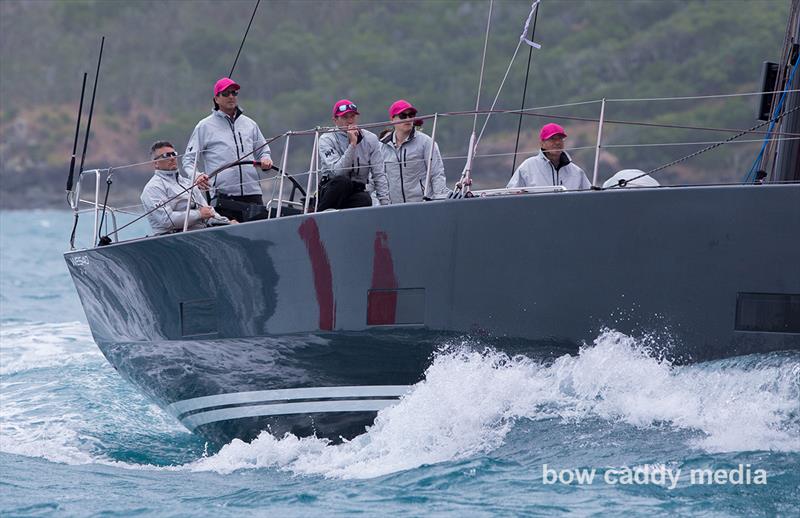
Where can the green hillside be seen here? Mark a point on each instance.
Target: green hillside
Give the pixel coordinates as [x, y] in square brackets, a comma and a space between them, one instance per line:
[161, 59]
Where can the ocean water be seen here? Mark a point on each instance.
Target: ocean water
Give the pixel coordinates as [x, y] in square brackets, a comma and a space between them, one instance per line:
[483, 434]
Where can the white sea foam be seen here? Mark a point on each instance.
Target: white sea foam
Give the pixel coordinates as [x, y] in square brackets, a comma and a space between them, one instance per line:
[469, 401]
[42, 345]
[59, 397]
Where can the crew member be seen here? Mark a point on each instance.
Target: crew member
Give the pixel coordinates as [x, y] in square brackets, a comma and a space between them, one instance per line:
[166, 194]
[224, 137]
[552, 166]
[351, 157]
[407, 152]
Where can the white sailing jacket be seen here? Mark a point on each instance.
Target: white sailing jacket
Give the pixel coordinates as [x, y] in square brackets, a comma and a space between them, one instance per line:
[361, 163]
[407, 168]
[538, 171]
[169, 216]
[223, 141]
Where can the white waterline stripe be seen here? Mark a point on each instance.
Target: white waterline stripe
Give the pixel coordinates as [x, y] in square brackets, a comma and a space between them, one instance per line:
[262, 396]
[368, 405]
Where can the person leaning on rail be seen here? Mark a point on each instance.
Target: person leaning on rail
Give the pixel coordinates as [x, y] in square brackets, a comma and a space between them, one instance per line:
[552, 166]
[407, 152]
[351, 158]
[166, 194]
[224, 137]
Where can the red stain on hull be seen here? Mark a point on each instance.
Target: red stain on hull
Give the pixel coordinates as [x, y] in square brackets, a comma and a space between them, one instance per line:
[382, 305]
[323, 278]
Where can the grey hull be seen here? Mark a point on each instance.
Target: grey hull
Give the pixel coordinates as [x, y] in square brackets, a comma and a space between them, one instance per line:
[310, 324]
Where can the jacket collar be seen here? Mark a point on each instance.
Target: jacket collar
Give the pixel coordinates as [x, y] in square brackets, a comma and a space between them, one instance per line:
[224, 115]
[564, 160]
[167, 175]
[389, 137]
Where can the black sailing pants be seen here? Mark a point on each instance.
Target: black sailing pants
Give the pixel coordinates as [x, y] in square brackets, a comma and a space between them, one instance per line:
[342, 193]
[241, 208]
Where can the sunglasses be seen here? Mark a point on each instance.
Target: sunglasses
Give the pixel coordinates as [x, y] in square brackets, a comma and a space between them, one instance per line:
[407, 115]
[226, 93]
[343, 108]
[164, 156]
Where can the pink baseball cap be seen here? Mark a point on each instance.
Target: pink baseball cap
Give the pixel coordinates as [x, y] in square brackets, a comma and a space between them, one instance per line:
[548, 130]
[224, 83]
[343, 107]
[400, 106]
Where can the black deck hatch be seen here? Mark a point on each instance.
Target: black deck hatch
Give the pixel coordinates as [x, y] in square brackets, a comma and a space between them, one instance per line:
[768, 312]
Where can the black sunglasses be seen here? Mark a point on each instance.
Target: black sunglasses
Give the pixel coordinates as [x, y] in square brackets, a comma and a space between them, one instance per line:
[406, 115]
[345, 107]
[164, 156]
[226, 93]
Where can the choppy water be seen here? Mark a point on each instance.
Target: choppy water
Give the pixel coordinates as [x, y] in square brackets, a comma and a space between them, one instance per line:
[471, 439]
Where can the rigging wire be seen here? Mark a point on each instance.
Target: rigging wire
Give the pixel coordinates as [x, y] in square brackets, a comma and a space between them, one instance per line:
[524, 91]
[522, 38]
[701, 151]
[230, 74]
[695, 97]
[483, 64]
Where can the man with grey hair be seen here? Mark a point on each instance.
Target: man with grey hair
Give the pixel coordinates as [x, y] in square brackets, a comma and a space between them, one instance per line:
[166, 194]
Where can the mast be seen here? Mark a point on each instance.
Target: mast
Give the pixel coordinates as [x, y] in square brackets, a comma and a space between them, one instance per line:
[787, 154]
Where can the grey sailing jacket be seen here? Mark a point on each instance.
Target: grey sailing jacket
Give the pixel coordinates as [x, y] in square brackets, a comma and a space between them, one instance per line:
[539, 171]
[222, 141]
[168, 216]
[407, 168]
[361, 163]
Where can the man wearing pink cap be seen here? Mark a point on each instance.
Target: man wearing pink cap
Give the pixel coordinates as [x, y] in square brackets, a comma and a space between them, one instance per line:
[407, 152]
[552, 166]
[225, 137]
[351, 159]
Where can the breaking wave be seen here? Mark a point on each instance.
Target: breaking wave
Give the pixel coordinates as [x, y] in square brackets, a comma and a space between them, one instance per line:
[61, 401]
[470, 400]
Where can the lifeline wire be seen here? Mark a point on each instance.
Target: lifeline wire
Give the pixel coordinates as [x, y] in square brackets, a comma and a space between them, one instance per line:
[709, 148]
[210, 176]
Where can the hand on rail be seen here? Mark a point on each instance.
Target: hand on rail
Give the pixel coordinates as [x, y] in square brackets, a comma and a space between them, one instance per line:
[202, 182]
[266, 163]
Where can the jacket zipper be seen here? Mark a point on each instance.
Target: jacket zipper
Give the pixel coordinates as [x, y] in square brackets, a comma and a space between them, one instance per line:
[238, 156]
[402, 182]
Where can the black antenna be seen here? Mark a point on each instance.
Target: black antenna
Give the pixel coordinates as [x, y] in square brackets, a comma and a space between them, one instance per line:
[91, 106]
[525, 89]
[230, 74]
[75, 142]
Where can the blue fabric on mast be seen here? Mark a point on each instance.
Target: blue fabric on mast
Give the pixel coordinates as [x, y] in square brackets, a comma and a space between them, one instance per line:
[757, 164]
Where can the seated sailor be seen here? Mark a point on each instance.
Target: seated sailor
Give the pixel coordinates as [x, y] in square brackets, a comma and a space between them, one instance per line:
[552, 166]
[350, 158]
[165, 196]
[407, 153]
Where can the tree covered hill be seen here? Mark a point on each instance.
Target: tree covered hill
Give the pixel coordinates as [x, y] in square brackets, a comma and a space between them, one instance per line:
[162, 57]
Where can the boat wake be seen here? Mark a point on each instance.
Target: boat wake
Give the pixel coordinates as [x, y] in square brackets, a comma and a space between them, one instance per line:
[470, 400]
[62, 402]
